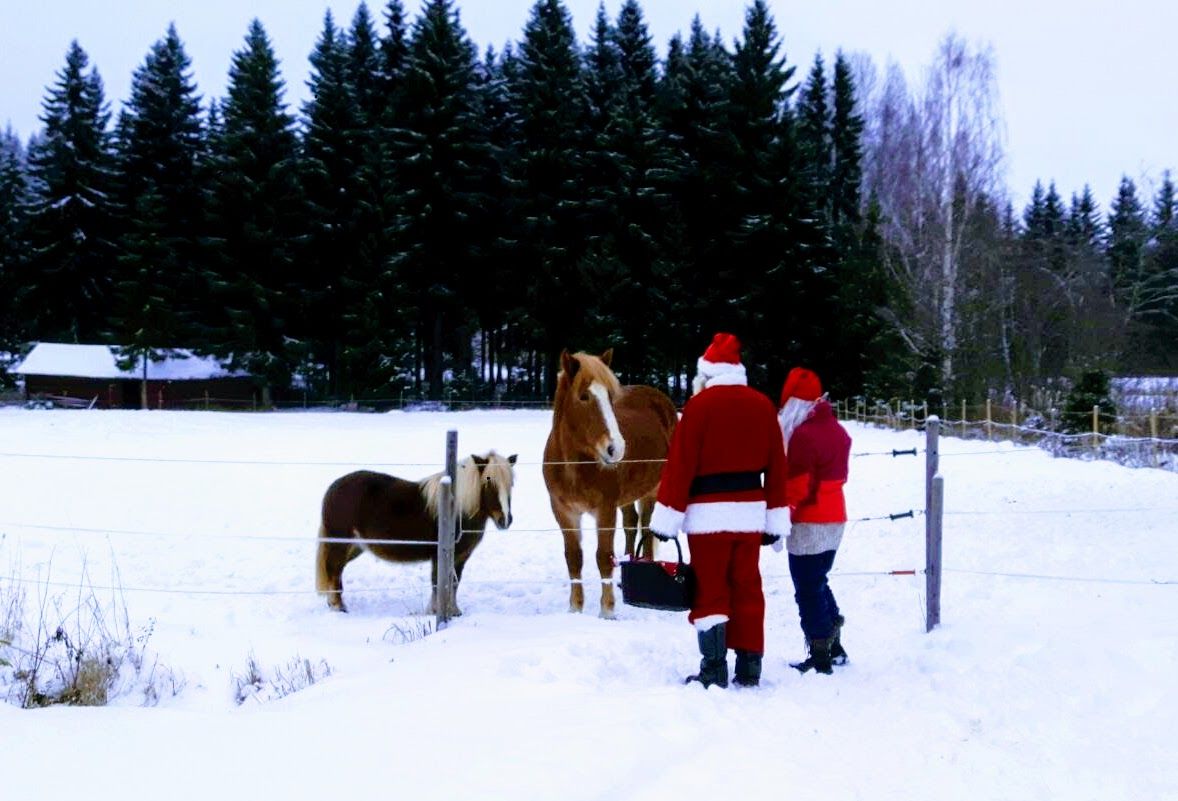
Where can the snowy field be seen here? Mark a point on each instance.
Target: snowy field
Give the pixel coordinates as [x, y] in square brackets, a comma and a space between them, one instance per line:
[1035, 687]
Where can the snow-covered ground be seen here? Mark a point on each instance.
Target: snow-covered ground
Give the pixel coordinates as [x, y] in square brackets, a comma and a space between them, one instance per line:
[1033, 687]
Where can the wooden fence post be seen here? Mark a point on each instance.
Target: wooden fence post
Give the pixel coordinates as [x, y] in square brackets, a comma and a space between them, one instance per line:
[926, 412]
[989, 422]
[1153, 434]
[963, 430]
[932, 521]
[447, 521]
[1095, 427]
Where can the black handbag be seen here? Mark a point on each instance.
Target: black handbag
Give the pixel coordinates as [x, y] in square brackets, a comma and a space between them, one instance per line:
[669, 586]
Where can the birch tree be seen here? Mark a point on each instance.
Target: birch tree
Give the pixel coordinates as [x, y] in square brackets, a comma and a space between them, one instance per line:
[934, 159]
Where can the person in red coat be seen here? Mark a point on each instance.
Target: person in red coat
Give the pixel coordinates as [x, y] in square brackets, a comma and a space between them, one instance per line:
[818, 451]
[712, 489]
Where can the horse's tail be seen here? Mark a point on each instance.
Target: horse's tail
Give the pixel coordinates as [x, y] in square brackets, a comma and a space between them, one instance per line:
[322, 580]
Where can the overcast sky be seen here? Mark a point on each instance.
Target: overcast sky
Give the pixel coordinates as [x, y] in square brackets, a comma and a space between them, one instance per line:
[1088, 88]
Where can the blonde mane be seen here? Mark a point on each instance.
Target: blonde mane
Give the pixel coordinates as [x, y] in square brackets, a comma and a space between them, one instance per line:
[594, 369]
[467, 490]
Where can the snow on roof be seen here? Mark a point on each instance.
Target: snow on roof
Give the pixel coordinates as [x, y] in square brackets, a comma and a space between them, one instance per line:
[100, 361]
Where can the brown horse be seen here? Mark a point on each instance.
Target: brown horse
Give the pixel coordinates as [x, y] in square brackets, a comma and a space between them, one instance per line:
[365, 506]
[605, 451]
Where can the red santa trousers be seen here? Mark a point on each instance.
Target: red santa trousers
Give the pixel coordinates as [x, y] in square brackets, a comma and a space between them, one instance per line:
[728, 582]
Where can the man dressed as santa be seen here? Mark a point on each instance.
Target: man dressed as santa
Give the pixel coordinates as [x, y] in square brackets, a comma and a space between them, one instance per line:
[724, 485]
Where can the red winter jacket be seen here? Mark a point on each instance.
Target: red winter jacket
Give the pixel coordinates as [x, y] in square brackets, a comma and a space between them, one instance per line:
[728, 436]
[818, 456]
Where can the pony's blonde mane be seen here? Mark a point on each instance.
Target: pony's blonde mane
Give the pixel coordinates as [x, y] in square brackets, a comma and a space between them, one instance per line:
[467, 490]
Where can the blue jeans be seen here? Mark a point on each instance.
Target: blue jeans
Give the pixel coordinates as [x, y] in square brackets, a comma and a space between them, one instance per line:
[816, 605]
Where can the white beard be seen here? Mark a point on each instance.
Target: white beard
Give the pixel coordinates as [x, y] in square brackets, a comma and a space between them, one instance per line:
[793, 414]
[698, 383]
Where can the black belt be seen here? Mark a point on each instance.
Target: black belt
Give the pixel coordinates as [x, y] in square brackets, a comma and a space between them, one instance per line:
[714, 483]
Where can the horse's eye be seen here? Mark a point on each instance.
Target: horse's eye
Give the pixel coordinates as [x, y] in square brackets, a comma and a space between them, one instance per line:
[584, 397]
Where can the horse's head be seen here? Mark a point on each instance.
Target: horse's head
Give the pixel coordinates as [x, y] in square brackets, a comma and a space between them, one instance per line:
[586, 390]
[495, 479]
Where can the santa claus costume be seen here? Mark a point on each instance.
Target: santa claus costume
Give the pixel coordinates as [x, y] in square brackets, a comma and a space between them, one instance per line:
[724, 486]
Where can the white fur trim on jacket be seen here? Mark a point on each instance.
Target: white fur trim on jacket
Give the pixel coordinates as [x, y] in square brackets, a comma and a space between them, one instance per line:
[710, 518]
[666, 521]
[709, 622]
[777, 521]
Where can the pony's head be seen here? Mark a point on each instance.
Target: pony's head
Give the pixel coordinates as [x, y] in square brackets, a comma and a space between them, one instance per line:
[586, 390]
[485, 484]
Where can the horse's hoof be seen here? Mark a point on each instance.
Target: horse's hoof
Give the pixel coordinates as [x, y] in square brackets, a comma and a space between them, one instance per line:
[575, 610]
[608, 614]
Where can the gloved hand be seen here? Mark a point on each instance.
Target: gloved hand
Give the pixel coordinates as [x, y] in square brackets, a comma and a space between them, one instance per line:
[661, 537]
[772, 539]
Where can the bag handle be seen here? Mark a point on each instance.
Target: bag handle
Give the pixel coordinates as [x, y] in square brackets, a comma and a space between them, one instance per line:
[678, 548]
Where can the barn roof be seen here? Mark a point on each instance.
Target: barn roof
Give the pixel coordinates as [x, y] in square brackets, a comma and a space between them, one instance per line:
[100, 361]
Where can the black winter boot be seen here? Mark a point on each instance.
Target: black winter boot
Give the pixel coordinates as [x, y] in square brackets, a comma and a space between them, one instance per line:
[748, 669]
[838, 656]
[713, 668]
[819, 659]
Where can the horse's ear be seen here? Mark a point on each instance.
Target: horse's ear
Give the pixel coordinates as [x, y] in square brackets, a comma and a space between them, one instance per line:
[568, 364]
[608, 356]
[480, 461]
[511, 459]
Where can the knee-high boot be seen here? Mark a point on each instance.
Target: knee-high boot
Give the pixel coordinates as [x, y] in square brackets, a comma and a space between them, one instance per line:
[713, 668]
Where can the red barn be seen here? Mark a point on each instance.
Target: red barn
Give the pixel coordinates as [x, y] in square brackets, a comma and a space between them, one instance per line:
[90, 376]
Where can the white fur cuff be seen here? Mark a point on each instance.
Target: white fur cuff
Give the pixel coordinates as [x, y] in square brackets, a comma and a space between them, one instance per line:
[709, 622]
[777, 521]
[666, 521]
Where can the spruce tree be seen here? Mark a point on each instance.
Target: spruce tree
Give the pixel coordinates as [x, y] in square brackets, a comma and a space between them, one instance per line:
[161, 286]
[814, 131]
[1159, 307]
[256, 201]
[847, 143]
[332, 157]
[628, 262]
[1127, 235]
[781, 253]
[442, 151]
[695, 108]
[66, 284]
[14, 199]
[546, 93]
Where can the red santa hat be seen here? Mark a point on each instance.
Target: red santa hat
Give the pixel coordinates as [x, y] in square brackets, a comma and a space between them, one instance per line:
[720, 363]
[802, 384]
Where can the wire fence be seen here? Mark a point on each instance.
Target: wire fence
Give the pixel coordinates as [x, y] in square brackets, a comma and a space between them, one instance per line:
[990, 423]
[988, 430]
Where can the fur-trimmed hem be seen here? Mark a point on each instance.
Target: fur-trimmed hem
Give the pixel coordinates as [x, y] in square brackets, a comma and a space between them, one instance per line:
[712, 518]
[666, 521]
[708, 622]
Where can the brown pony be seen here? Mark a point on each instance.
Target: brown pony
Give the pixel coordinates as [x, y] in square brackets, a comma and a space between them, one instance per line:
[365, 506]
[605, 451]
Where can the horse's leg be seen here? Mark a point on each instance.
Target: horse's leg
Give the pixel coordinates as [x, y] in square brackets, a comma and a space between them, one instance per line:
[646, 509]
[459, 564]
[433, 583]
[630, 525]
[607, 522]
[329, 568]
[570, 527]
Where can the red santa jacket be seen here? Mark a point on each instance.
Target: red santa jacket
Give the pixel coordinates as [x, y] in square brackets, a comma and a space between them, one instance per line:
[818, 457]
[728, 436]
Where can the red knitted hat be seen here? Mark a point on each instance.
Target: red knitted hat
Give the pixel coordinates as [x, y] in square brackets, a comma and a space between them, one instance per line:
[725, 349]
[803, 384]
